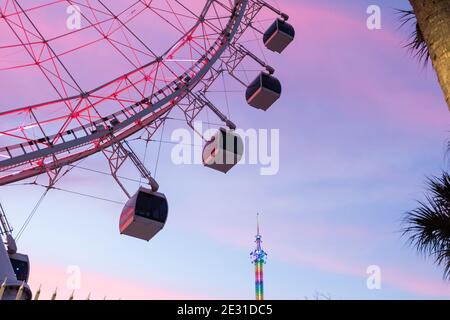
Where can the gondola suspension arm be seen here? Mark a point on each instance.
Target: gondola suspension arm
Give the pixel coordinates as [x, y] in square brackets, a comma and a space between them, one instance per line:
[117, 155]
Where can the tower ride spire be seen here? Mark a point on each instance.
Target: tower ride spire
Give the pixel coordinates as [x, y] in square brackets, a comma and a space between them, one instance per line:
[259, 257]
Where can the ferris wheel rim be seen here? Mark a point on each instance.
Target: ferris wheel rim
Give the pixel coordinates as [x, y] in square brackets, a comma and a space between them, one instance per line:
[44, 103]
[162, 107]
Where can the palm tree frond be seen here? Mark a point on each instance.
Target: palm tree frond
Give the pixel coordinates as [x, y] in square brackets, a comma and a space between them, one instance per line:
[428, 226]
[417, 44]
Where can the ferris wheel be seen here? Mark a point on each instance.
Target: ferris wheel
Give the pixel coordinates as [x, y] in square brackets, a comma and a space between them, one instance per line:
[152, 57]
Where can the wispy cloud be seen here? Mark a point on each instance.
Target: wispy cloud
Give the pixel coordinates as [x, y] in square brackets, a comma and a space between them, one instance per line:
[324, 259]
[98, 285]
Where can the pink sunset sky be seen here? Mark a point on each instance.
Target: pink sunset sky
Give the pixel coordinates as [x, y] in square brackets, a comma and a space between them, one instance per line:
[362, 124]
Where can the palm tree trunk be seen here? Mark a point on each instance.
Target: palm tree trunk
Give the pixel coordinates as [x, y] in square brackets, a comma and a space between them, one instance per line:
[433, 18]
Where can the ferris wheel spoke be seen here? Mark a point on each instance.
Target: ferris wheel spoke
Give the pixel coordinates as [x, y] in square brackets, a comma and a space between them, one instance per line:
[46, 43]
[108, 35]
[127, 28]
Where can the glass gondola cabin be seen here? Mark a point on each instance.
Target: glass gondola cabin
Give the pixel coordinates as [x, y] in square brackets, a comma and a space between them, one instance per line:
[223, 151]
[263, 91]
[14, 271]
[279, 35]
[144, 215]
[21, 266]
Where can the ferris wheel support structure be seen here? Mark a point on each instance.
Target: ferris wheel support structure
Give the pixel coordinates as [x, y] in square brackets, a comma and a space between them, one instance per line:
[52, 152]
[67, 136]
[10, 287]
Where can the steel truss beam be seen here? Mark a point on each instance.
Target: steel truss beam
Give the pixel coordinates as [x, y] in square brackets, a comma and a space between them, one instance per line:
[48, 156]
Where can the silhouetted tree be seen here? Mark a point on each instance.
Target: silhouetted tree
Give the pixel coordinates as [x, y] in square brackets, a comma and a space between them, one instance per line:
[428, 226]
